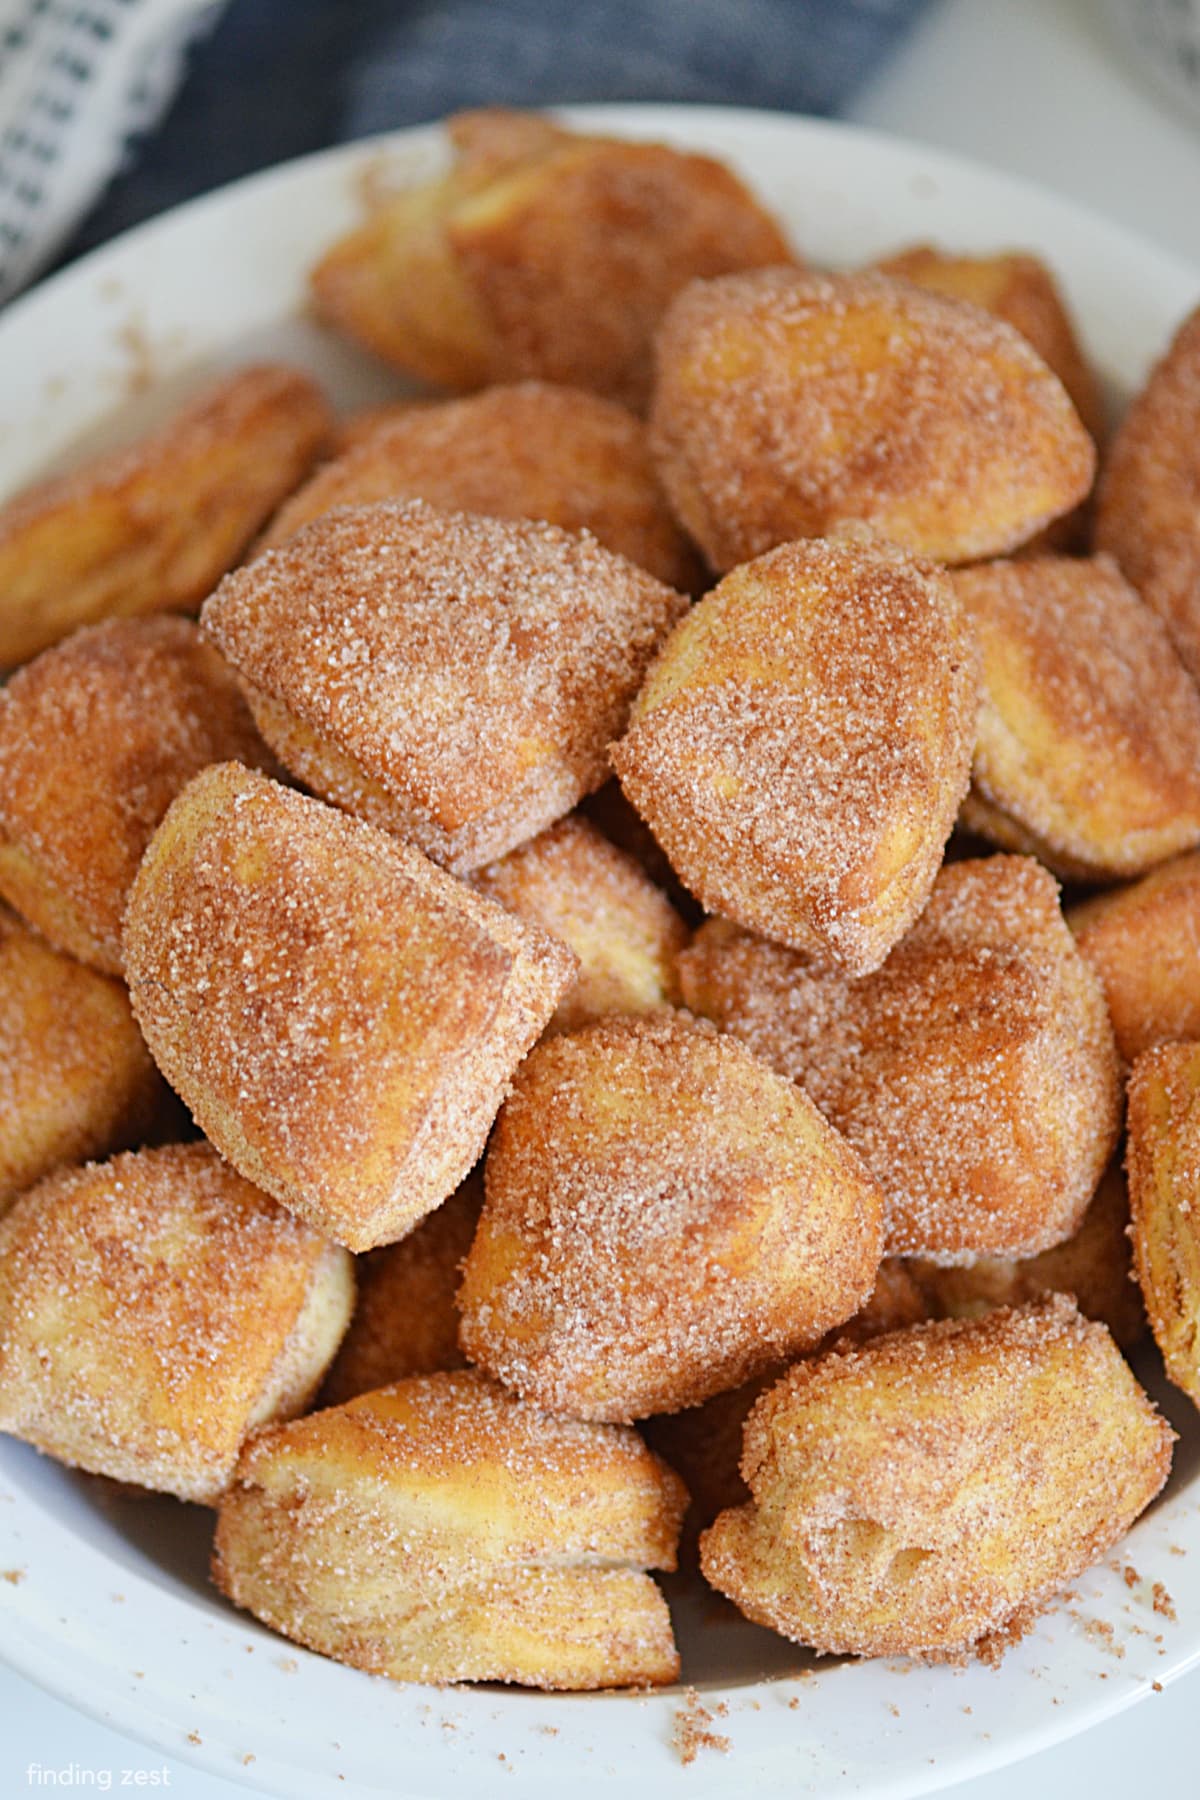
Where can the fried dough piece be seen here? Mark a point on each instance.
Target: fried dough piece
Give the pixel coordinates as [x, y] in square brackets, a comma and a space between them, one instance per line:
[154, 1309]
[441, 1530]
[664, 1218]
[1088, 749]
[1095, 1266]
[451, 678]
[341, 1016]
[394, 283]
[803, 741]
[405, 1320]
[1020, 289]
[939, 1485]
[789, 402]
[704, 1443]
[1143, 941]
[154, 527]
[1148, 500]
[526, 451]
[1164, 1186]
[596, 900]
[975, 1072]
[543, 253]
[76, 1079]
[97, 736]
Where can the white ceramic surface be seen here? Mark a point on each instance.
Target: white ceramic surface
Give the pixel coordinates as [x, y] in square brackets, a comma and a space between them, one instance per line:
[107, 1603]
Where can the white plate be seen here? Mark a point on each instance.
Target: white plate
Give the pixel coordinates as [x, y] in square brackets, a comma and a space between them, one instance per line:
[110, 1607]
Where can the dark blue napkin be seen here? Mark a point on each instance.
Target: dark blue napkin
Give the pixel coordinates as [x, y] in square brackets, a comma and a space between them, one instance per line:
[277, 78]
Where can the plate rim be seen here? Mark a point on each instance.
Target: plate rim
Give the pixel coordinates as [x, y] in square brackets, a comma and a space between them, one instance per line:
[680, 121]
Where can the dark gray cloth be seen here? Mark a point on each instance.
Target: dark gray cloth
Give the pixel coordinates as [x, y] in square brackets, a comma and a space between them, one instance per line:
[280, 77]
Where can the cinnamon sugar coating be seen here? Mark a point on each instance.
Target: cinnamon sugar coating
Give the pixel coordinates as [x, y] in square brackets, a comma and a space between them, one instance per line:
[1021, 290]
[529, 450]
[1163, 1164]
[153, 527]
[788, 402]
[440, 1530]
[1143, 942]
[341, 1016]
[595, 899]
[1148, 499]
[76, 1079]
[664, 1218]
[1088, 748]
[1094, 1266]
[802, 744]
[939, 1485]
[541, 252]
[97, 736]
[405, 1320]
[975, 1072]
[452, 678]
[154, 1309]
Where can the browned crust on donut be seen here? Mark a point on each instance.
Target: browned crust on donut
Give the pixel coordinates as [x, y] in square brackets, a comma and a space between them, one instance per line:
[97, 736]
[803, 741]
[788, 402]
[1089, 732]
[664, 1219]
[531, 450]
[148, 1308]
[152, 528]
[939, 1484]
[466, 673]
[975, 1072]
[341, 1016]
[1148, 499]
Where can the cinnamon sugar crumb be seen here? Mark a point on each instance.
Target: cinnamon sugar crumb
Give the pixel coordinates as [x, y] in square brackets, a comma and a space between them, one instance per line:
[1163, 1603]
[1102, 1633]
[193, 1737]
[692, 1733]
[14, 1577]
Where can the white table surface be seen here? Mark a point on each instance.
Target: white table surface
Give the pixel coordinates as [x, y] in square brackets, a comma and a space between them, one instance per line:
[1041, 89]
